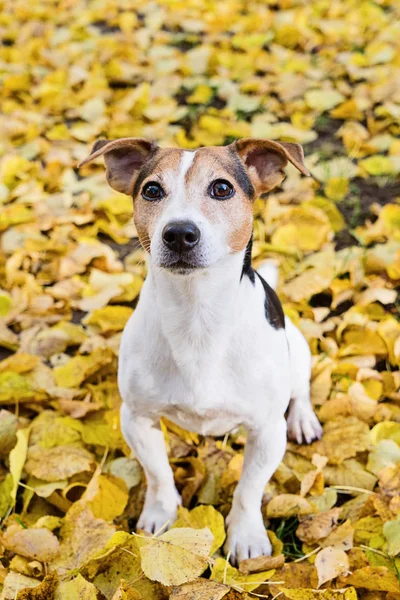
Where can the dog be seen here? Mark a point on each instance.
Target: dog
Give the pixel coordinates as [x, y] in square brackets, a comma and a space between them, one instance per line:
[208, 345]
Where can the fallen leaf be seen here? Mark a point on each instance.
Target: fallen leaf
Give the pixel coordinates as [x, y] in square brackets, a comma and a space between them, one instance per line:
[178, 556]
[287, 505]
[391, 531]
[373, 578]
[201, 517]
[39, 544]
[76, 589]
[313, 528]
[201, 589]
[261, 563]
[330, 563]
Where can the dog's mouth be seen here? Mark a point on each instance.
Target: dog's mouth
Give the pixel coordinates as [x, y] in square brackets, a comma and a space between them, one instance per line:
[181, 266]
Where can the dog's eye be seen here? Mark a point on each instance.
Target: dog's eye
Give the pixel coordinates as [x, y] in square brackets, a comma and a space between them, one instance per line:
[221, 189]
[152, 191]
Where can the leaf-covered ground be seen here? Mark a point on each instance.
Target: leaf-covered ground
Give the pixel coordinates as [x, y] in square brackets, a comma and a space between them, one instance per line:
[192, 72]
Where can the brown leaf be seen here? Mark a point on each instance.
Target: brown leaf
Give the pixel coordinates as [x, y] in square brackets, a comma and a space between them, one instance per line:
[261, 563]
[313, 528]
[330, 563]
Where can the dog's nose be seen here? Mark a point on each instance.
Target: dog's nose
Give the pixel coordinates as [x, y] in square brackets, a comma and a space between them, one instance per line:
[181, 236]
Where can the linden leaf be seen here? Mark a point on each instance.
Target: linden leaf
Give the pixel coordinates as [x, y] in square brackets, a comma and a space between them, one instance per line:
[109, 318]
[76, 589]
[391, 531]
[288, 505]
[202, 589]
[39, 544]
[178, 556]
[61, 462]
[8, 432]
[330, 563]
[310, 594]
[319, 526]
[200, 517]
[106, 495]
[323, 100]
[374, 578]
[223, 572]
[388, 430]
[78, 368]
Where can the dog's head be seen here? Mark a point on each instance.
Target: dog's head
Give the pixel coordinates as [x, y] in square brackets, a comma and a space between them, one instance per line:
[193, 208]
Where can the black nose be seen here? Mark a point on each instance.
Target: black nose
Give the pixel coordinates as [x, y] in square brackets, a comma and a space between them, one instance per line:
[181, 236]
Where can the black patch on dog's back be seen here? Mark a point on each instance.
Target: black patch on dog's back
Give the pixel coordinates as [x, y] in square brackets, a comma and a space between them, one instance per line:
[247, 269]
[273, 308]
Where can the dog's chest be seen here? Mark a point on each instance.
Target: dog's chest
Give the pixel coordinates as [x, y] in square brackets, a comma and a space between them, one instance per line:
[208, 370]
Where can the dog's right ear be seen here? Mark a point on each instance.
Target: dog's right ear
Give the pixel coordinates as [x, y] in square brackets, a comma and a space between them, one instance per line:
[123, 159]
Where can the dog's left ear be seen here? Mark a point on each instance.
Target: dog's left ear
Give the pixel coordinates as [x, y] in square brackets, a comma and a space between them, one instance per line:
[123, 158]
[266, 159]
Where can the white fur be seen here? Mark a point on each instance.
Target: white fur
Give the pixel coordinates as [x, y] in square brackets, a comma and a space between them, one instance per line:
[199, 350]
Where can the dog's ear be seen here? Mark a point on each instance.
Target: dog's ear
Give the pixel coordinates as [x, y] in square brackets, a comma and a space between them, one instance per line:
[123, 159]
[266, 159]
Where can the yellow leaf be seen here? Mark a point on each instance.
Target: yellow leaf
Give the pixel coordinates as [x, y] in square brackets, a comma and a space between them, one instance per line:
[323, 100]
[391, 531]
[201, 95]
[223, 572]
[202, 589]
[307, 594]
[178, 556]
[305, 228]
[15, 387]
[388, 430]
[78, 368]
[385, 454]
[76, 589]
[330, 563]
[15, 582]
[201, 517]
[288, 505]
[60, 462]
[38, 544]
[17, 459]
[377, 165]
[106, 495]
[8, 432]
[349, 473]
[374, 578]
[109, 318]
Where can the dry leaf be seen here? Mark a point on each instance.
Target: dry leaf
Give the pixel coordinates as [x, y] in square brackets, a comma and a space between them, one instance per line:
[178, 556]
[330, 563]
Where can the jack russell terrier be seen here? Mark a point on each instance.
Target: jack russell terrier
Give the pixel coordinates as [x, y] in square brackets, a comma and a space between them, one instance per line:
[208, 345]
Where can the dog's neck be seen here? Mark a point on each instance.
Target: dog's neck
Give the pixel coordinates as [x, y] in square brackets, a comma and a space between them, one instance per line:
[196, 311]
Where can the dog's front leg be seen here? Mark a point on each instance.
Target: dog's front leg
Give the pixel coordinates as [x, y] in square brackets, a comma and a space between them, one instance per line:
[247, 537]
[146, 439]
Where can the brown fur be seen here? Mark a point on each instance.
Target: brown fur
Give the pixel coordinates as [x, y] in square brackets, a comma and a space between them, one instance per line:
[250, 165]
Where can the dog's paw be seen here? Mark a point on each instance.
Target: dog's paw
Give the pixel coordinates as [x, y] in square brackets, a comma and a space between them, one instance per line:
[157, 517]
[303, 425]
[245, 541]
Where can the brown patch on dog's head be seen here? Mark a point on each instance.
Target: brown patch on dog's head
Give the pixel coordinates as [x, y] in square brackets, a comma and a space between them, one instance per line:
[236, 213]
[163, 163]
[251, 167]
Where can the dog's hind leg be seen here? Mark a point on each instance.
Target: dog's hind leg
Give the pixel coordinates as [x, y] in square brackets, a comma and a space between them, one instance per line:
[146, 439]
[303, 425]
